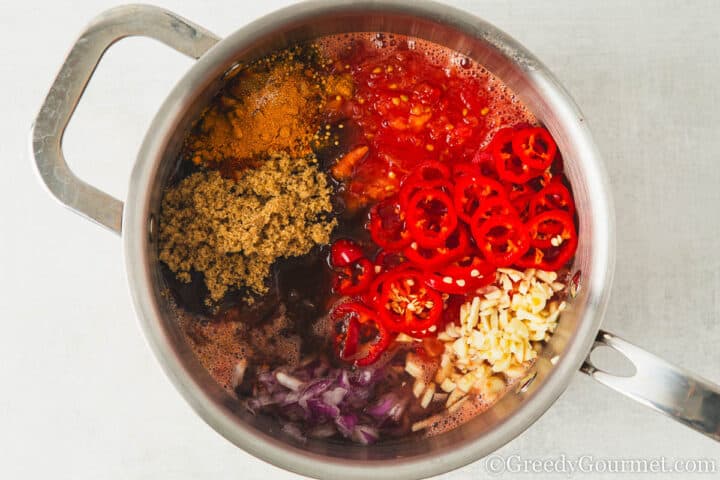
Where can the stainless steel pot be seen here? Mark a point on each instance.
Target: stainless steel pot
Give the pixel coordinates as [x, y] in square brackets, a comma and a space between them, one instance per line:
[683, 396]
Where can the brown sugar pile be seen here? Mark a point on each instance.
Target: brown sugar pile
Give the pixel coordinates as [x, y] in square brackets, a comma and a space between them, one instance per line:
[233, 230]
[271, 106]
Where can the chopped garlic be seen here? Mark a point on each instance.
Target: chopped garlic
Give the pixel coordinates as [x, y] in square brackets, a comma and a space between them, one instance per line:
[494, 339]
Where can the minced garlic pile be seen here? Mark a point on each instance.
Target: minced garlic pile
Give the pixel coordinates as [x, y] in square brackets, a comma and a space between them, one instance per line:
[495, 335]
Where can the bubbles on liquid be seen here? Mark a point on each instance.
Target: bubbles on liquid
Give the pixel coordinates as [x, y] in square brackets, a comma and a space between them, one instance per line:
[224, 349]
[504, 107]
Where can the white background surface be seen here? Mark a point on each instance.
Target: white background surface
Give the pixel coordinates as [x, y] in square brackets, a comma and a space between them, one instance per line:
[81, 396]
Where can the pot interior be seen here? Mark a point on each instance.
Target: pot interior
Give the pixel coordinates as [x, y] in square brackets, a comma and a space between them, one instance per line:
[536, 89]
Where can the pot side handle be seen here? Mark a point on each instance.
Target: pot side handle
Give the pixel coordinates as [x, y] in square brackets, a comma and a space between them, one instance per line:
[662, 386]
[67, 89]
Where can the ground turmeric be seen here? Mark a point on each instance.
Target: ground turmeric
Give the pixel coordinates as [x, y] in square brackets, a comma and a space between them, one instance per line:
[270, 106]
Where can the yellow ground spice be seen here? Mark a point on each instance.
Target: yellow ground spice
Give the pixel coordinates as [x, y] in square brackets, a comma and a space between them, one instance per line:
[233, 230]
[272, 106]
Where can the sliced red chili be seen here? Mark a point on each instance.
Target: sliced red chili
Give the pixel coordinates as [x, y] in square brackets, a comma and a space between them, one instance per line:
[471, 191]
[502, 239]
[535, 147]
[463, 276]
[551, 228]
[360, 336]
[452, 308]
[355, 278]
[411, 187]
[347, 334]
[407, 304]
[466, 169]
[431, 217]
[549, 258]
[555, 196]
[509, 166]
[428, 170]
[483, 160]
[388, 260]
[491, 207]
[520, 196]
[343, 252]
[387, 225]
[456, 245]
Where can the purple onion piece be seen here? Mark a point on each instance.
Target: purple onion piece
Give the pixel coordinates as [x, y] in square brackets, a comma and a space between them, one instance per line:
[365, 434]
[363, 377]
[321, 401]
[382, 408]
[294, 431]
[324, 430]
[313, 389]
[320, 409]
[346, 423]
[334, 396]
[288, 381]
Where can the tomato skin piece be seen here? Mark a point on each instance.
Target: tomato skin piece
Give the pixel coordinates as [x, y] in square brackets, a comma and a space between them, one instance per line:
[363, 353]
[504, 249]
[554, 196]
[405, 287]
[344, 252]
[471, 191]
[425, 230]
[535, 147]
[387, 225]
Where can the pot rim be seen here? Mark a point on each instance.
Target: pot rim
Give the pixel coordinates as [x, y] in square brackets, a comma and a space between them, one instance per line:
[135, 234]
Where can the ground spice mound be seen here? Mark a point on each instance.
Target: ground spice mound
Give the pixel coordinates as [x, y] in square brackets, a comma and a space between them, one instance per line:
[272, 105]
[233, 230]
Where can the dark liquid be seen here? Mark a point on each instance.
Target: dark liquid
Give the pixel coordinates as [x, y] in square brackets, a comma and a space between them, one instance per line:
[289, 322]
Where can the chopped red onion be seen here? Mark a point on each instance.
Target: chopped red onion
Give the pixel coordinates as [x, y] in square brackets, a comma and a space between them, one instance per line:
[321, 401]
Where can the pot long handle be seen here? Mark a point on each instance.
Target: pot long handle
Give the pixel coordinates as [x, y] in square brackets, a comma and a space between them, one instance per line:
[687, 398]
[69, 85]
